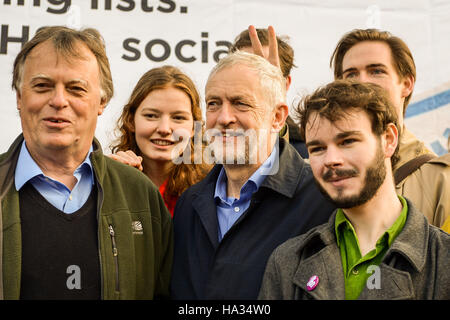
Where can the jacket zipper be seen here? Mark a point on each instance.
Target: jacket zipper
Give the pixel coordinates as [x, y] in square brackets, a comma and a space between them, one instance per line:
[115, 254]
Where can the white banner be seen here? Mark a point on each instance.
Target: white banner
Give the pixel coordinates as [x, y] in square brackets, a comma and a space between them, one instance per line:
[193, 34]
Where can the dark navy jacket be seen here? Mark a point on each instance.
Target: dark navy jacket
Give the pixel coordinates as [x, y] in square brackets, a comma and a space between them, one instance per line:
[287, 204]
[295, 138]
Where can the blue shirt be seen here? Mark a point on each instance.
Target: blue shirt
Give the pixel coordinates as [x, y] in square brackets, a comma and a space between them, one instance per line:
[230, 209]
[54, 191]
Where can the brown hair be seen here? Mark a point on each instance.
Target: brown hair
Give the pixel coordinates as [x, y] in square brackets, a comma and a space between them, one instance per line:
[339, 98]
[285, 51]
[401, 55]
[64, 41]
[183, 175]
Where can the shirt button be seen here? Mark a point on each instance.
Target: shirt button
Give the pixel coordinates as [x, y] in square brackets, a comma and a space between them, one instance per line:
[236, 209]
[70, 197]
[355, 271]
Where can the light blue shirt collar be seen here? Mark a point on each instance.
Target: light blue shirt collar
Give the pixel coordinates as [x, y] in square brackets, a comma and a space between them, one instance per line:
[252, 184]
[27, 168]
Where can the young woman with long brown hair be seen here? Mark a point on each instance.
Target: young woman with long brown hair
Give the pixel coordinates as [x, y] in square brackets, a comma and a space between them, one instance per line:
[157, 125]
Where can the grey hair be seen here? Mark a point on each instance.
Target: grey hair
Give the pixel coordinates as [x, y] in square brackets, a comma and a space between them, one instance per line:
[272, 81]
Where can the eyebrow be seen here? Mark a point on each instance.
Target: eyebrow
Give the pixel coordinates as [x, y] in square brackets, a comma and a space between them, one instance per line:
[313, 143]
[229, 98]
[40, 76]
[372, 65]
[339, 136]
[47, 78]
[346, 134]
[239, 97]
[212, 97]
[159, 111]
[75, 81]
[151, 109]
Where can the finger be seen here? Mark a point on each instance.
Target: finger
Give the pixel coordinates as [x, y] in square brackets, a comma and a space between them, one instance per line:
[125, 158]
[131, 154]
[140, 167]
[120, 158]
[273, 47]
[256, 44]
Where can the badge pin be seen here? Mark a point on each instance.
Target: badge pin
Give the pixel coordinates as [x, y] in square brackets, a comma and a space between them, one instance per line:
[312, 283]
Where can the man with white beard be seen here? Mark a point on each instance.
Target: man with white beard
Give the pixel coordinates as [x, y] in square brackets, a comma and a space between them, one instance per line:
[260, 193]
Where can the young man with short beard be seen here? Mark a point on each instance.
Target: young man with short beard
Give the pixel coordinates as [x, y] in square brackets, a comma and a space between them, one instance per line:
[377, 245]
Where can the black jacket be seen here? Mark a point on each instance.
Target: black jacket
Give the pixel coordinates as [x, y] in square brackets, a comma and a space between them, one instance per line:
[295, 138]
[287, 204]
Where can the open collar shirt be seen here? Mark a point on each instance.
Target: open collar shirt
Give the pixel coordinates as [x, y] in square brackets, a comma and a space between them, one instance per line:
[229, 209]
[54, 191]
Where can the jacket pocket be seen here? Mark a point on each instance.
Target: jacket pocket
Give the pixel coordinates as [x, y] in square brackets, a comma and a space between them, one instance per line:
[115, 255]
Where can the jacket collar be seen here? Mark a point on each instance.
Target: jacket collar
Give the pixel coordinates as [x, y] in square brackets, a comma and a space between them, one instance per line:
[8, 165]
[320, 256]
[205, 205]
[412, 242]
[319, 251]
[285, 181]
[98, 160]
[8, 162]
[290, 171]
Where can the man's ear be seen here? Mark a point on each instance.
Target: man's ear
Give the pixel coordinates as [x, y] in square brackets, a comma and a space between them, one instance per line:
[391, 140]
[102, 106]
[288, 82]
[18, 100]
[280, 114]
[408, 85]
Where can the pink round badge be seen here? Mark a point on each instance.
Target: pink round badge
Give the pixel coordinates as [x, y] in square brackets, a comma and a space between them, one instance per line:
[312, 283]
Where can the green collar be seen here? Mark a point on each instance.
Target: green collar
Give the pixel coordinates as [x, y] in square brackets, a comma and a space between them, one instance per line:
[342, 221]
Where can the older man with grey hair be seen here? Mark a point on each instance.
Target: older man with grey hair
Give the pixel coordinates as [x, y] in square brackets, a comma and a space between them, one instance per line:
[74, 224]
[259, 194]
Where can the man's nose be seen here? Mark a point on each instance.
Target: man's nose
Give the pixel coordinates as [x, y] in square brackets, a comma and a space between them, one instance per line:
[363, 77]
[226, 115]
[59, 97]
[333, 157]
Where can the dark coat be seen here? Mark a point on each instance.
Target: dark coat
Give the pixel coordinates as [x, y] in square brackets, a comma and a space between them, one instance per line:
[287, 204]
[414, 267]
[295, 138]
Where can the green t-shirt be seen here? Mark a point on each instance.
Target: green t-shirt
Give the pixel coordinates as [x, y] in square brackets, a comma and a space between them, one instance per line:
[355, 266]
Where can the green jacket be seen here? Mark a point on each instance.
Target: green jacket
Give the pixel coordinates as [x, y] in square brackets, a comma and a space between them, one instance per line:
[135, 232]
